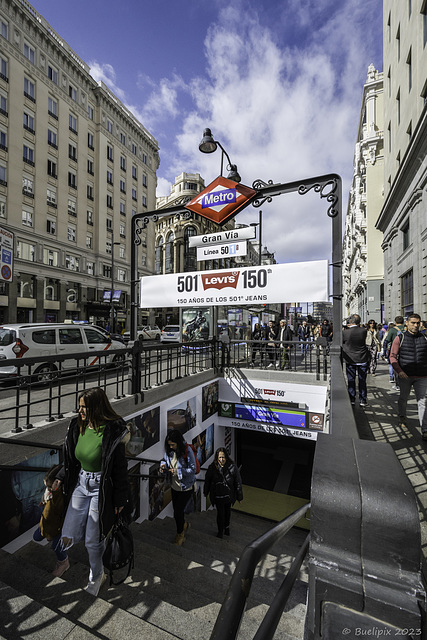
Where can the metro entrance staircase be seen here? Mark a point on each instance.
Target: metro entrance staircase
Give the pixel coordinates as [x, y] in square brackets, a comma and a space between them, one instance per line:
[173, 592]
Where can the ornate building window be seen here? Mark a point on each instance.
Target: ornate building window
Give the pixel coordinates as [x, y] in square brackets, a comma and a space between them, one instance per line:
[169, 257]
[190, 254]
[159, 256]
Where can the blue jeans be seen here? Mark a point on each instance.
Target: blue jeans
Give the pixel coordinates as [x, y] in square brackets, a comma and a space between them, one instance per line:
[56, 544]
[82, 520]
[420, 388]
[362, 371]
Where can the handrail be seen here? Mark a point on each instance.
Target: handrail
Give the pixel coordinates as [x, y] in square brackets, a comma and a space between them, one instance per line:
[230, 616]
[269, 624]
[28, 443]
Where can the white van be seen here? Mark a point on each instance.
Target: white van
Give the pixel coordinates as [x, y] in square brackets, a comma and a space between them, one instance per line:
[31, 340]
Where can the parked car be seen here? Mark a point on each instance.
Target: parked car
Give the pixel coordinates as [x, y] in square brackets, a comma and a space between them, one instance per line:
[32, 340]
[171, 333]
[146, 332]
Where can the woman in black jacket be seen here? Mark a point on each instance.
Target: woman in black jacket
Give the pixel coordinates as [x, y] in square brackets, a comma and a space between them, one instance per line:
[224, 486]
[95, 478]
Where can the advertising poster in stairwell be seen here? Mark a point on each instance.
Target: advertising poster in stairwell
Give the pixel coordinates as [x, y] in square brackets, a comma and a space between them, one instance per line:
[261, 285]
[159, 491]
[144, 429]
[203, 444]
[183, 416]
[209, 400]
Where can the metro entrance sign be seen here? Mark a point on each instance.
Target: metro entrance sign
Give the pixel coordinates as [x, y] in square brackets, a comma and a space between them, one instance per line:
[328, 187]
[221, 200]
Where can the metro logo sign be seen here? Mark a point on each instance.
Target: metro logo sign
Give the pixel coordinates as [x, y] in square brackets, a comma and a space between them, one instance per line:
[215, 198]
[221, 200]
[220, 280]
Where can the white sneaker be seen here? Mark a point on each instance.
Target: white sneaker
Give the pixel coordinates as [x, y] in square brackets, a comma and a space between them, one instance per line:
[94, 586]
[270, 365]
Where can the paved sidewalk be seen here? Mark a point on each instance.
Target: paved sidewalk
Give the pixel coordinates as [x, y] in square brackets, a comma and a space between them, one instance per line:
[380, 421]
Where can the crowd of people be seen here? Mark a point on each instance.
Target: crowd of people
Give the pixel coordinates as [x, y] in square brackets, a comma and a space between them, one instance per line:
[270, 343]
[403, 345]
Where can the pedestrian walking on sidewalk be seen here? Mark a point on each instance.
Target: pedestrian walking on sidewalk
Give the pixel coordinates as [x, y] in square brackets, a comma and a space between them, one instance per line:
[50, 526]
[95, 478]
[408, 357]
[356, 357]
[373, 344]
[179, 464]
[224, 486]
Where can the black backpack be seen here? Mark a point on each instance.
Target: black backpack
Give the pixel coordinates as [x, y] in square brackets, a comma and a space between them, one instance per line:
[119, 550]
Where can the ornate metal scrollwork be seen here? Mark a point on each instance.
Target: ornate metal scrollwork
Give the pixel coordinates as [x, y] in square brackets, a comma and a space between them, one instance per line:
[260, 184]
[183, 215]
[329, 195]
[141, 224]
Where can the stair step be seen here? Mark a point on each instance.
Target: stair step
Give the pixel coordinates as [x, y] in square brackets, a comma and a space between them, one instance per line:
[215, 555]
[23, 617]
[173, 592]
[55, 600]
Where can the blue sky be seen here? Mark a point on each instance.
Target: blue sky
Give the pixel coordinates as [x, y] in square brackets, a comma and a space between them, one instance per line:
[279, 84]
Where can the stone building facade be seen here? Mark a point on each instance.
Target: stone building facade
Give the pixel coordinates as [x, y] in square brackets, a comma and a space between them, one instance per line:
[363, 275]
[75, 165]
[403, 219]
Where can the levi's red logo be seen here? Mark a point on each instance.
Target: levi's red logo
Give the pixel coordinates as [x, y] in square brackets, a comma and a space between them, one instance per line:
[220, 280]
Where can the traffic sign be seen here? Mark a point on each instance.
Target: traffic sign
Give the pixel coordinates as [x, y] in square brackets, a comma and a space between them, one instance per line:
[6, 255]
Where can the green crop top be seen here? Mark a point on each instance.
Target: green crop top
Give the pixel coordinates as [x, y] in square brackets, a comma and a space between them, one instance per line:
[89, 449]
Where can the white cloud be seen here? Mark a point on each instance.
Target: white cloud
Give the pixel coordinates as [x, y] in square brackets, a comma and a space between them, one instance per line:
[163, 187]
[282, 97]
[105, 73]
[163, 102]
[282, 113]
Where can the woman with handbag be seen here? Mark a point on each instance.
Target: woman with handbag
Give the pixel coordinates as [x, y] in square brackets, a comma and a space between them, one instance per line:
[95, 478]
[224, 486]
[179, 465]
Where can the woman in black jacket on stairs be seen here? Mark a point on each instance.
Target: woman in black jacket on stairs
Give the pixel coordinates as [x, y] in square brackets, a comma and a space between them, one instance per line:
[224, 486]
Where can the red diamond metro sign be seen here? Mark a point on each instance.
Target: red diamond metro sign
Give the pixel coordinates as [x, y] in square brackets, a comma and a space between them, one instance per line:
[221, 200]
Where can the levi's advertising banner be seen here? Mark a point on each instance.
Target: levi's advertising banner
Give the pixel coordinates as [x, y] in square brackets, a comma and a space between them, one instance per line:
[280, 408]
[306, 281]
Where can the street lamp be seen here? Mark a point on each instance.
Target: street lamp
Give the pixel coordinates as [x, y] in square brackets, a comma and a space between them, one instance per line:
[112, 282]
[258, 224]
[209, 145]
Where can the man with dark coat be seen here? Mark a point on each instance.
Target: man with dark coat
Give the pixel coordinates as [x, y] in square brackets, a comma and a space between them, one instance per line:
[356, 357]
[284, 335]
[408, 357]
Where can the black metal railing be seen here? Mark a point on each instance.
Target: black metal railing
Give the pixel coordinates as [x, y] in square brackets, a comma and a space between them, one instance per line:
[46, 387]
[231, 613]
[305, 357]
